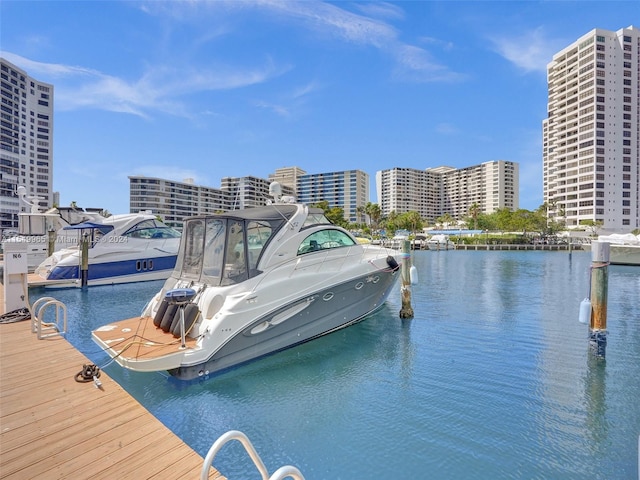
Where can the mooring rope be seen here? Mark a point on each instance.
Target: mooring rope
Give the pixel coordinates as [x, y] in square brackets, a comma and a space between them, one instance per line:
[18, 315]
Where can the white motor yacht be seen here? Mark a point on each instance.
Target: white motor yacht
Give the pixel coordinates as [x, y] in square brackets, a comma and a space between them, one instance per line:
[624, 249]
[122, 248]
[248, 283]
[440, 242]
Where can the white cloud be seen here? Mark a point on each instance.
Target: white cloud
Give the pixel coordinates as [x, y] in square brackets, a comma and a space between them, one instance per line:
[158, 90]
[368, 29]
[530, 51]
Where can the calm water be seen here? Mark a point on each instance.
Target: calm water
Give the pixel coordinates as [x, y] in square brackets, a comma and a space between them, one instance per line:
[492, 379]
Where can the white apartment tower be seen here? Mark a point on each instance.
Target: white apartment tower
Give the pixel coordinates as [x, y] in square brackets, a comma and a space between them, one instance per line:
[26, 141]
[435, 191]
[347, 189]
[591, 137]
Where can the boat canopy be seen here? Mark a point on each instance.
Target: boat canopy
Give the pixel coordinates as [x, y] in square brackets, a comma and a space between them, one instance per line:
[225, 249]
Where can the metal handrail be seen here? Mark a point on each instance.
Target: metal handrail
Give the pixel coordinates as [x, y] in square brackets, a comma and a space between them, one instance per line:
[280, 474]
[37, 310]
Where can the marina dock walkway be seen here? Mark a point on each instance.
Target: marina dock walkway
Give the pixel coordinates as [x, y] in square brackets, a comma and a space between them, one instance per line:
[54, 427]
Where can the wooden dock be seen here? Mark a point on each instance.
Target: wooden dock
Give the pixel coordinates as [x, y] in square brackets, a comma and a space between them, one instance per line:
[54, 427]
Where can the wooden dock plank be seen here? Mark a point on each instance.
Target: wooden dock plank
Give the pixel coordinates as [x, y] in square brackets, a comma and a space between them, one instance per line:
[54, 427]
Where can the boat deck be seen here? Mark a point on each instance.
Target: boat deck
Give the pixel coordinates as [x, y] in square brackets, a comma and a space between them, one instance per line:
[55, 427]
[137, 338]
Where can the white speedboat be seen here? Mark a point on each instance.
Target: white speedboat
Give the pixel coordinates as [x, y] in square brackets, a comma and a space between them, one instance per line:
[44, 231]
[122, 248]
[624, 249]
[248, 283]
[440, 242]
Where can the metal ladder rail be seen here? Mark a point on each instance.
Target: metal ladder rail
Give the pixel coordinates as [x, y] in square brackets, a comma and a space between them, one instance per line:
[37, 312]
[280, 474]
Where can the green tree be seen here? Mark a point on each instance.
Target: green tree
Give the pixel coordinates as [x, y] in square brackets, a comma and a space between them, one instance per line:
[444, 220]
[374, 213]
[410, 221]
[474, 213]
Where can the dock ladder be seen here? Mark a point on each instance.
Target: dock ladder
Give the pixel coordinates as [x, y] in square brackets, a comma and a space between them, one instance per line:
[280, 474]
[57, 327]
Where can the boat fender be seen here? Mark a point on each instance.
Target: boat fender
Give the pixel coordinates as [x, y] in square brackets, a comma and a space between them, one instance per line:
[413, 275]
[585, 311]
[167, 318]
[191, 312]
[162, 308]
[392, 263]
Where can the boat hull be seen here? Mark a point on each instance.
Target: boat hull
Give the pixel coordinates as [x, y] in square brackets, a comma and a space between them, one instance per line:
[621, 254]
[140, 345]
[624, 255]
[124, 271]
[304, 319]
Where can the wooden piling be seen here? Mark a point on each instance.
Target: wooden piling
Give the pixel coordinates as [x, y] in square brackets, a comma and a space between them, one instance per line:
[84, 263]
[406, 311]
[599, 291]
[51, 246]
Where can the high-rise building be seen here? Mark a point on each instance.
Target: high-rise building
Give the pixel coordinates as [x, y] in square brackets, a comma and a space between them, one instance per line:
[347, 189]
[591, 136]
[287, 176]
[174, 201]
[436, 191]
[26, 141]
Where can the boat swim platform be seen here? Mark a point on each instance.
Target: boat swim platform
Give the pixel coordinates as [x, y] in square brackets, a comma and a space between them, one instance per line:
[138, 338]
[34, 280]
[54, 427]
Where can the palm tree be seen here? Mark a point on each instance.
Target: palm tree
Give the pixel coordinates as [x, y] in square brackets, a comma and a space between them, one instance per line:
[474, 212]
[374, 213]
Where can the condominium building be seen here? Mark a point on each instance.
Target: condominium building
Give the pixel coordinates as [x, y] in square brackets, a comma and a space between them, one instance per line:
[591, 137]
[436, 191]
[174, 201]
[287, 176]
[347, 189]
[26, 141]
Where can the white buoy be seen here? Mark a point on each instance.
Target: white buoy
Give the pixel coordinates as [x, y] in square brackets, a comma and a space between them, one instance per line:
[585, 311]
[413, 275]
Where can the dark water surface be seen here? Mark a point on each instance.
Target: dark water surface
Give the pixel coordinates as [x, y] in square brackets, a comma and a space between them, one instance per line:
[492, 379]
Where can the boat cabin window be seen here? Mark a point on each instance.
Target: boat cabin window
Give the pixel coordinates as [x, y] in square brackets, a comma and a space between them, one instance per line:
[325, 239]
[258, 234]
[235, 269]
[151, 229]
[193, 250]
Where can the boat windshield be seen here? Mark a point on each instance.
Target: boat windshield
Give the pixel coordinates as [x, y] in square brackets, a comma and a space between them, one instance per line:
[151, 229]
[323, 240]
[222, 251]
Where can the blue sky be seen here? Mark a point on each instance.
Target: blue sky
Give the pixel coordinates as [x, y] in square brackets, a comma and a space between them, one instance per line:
[207, 90]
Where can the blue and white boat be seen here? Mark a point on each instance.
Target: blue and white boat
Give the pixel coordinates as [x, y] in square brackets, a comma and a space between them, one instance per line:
[248, 283]
[122, 248]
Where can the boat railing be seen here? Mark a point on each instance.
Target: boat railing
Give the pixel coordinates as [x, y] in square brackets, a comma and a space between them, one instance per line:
[286, 471]
[57, 327]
